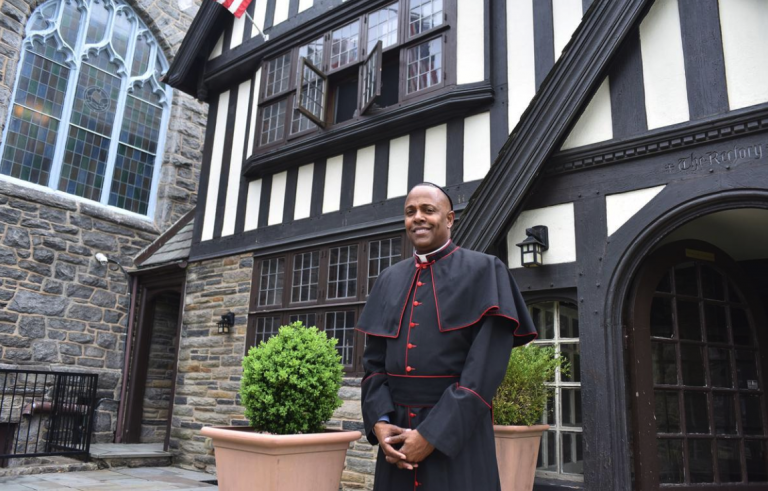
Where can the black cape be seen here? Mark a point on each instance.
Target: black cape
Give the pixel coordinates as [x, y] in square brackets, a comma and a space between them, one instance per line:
[439, 338]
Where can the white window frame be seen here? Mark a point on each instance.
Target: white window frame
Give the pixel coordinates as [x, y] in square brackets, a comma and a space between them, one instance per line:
[558, 385]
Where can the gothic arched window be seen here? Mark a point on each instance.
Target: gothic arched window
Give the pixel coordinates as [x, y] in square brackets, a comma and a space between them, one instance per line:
[88, 112]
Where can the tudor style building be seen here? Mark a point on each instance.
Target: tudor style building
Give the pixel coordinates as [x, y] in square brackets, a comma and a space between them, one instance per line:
[634, 130]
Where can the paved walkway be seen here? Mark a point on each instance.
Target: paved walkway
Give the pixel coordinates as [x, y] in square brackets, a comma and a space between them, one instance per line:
[144, 478]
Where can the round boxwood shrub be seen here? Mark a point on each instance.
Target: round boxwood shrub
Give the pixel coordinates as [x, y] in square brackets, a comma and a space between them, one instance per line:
[522, 395]
[291, 382]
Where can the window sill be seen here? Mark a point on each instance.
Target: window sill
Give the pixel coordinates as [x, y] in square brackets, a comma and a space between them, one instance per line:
[394, 121]
[10, 186]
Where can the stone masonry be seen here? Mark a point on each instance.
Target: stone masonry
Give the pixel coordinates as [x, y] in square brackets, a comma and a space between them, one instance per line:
[162, 358]
[180, 171]
[60, 308]
[210, 368]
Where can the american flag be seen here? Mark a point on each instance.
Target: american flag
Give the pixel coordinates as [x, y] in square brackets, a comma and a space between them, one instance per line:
[237, 7]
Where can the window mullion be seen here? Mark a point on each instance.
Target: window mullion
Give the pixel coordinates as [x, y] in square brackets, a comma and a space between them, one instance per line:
[69, 100]
[117, 126]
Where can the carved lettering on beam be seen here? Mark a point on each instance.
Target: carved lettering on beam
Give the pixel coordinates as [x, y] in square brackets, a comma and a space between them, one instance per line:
[714, 159]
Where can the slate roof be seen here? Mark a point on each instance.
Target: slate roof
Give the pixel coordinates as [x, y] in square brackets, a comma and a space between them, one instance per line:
[171, 247]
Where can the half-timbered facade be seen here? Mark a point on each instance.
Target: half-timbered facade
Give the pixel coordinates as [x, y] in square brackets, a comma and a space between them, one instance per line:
[634, 130]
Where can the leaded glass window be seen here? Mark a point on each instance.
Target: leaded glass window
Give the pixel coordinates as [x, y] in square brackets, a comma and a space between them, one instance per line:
[320, 287]
[266, 327]
[278, 74]
[312, 91]
[271, 281]
[425, 66]
[342, 272]
[370, 73]
[382, 26]
[312, 52]
[306, 275]
[341, 325]
[273, 123]
[425, 15]
[345, 45]
[308, 320]
[89, 113]
[562, 447]
[381, 255]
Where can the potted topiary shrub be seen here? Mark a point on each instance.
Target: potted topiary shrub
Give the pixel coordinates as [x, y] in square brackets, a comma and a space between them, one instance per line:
[289, 389]
[517, 407]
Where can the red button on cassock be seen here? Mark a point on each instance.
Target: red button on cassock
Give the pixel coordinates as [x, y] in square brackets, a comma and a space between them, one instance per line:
[419, 283]
[411, 346]
[413, 324]
[413, 415]
[416, 303]
[409, 369]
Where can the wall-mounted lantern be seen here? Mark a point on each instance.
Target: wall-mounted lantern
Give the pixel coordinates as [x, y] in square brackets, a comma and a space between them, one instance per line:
[533, 246]
[226, 323]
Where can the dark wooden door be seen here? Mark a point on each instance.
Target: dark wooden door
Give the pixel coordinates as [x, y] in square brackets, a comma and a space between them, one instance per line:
[697, 357]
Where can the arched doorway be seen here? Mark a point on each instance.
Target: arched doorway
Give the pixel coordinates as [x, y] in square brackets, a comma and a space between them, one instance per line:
[698, 363]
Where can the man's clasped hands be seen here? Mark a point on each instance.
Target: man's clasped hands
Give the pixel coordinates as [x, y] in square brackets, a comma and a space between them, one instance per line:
[414, 449]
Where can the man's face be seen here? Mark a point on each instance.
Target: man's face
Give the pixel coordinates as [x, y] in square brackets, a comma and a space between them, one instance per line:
[428, 218]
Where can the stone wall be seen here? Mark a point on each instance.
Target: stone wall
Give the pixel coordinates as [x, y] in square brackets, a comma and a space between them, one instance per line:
[210, 368]
[162, 358]
[60, 308]
[180, 171]
[209, 363]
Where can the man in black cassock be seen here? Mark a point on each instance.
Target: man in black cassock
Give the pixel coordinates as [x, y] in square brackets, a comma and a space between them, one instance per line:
[440, 329]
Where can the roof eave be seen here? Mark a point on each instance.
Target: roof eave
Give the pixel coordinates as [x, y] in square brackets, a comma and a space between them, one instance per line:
[188, 66]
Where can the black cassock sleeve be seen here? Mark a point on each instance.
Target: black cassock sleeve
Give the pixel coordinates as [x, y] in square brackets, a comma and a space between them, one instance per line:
[453, 419]
[377, 400]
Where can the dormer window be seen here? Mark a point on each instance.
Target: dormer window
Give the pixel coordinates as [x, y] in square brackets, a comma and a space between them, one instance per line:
[356, 70]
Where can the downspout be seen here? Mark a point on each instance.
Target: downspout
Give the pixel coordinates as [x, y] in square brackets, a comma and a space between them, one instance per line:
[127, 350]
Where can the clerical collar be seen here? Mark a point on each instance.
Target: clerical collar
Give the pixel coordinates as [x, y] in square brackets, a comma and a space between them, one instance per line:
[437, 253]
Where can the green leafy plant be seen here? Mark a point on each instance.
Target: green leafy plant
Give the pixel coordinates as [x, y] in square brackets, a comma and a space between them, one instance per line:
[522, 395]
[291, 382]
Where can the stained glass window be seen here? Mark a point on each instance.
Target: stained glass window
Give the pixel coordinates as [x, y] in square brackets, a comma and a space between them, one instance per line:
[87, 119]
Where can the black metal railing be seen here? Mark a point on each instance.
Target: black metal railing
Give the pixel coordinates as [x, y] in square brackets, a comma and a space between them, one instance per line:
[45, 413]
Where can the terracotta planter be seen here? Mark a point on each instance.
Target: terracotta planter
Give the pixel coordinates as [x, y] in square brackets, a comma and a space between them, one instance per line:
[251, 461]
[517, 448]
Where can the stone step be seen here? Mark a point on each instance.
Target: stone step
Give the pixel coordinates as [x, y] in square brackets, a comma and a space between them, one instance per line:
[108, 455]
[48, 465]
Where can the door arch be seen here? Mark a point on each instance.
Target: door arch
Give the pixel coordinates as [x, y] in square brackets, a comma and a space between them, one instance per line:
[697, 372]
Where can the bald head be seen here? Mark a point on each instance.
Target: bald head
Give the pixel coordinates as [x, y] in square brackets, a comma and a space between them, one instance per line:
[428, 217]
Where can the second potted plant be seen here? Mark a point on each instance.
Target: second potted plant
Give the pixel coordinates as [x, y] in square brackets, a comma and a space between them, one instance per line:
[289, 389]
[519, 404]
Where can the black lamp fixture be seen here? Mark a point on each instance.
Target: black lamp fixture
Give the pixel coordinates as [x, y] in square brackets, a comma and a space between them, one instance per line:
[536, 242]
[226, 323]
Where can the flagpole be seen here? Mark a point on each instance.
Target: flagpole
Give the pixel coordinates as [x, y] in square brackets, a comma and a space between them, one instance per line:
[266, 36]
